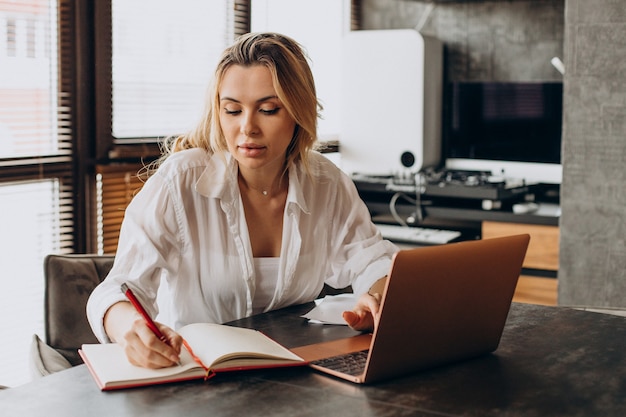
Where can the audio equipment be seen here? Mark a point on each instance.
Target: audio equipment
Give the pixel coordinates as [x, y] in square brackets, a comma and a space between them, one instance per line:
[391, 102]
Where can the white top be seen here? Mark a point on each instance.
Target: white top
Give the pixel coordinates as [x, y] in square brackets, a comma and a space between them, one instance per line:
[266, 271]
[185, 235]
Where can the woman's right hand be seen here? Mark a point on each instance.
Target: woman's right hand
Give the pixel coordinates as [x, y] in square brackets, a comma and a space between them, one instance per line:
[142, 347]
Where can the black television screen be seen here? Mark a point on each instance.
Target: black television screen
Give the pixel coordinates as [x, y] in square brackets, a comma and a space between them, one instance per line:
[507, 121]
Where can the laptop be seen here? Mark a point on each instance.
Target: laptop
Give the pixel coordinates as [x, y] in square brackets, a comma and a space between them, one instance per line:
[442, 304]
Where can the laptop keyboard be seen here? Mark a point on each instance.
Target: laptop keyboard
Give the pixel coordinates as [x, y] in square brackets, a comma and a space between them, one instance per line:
[349, 363]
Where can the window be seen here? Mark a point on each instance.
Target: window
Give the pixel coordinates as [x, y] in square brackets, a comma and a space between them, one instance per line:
[28, 86]
[154, 74]
[37, 181]
[153, 86]
[160, 70]
[39, 206]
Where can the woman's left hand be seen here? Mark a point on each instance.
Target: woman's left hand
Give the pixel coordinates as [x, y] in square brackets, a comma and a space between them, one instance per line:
[365, 314]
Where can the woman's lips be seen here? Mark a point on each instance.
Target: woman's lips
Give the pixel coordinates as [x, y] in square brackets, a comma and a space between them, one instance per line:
[251, 150]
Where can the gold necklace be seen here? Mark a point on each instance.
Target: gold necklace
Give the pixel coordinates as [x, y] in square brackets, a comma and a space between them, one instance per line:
[263, 191]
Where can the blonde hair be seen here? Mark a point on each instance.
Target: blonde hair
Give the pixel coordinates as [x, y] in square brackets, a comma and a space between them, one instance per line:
[294, 84]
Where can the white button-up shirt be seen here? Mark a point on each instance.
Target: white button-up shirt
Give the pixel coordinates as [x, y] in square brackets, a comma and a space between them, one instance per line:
[185, 236]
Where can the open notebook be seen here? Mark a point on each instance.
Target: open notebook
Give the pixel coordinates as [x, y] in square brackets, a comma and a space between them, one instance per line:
[441, 304]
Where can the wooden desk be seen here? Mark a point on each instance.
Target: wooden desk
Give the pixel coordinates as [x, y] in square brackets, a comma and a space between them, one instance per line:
[552, 361]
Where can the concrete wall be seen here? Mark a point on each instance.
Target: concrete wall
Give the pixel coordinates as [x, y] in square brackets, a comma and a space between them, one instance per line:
[490, 40]
[593, 194]
[515, 40]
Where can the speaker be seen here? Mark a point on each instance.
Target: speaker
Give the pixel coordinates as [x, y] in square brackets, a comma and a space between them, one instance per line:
[391, 102]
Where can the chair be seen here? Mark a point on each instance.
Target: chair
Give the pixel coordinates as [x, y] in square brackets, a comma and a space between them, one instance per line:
[69, 280]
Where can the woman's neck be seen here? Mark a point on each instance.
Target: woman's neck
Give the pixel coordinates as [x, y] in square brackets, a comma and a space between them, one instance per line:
[265, 185]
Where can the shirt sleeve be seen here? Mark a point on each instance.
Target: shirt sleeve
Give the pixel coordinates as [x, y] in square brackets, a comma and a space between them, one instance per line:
[148, 244]
[360, 255]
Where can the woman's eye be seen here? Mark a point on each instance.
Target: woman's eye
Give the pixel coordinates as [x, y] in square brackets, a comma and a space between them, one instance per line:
[228, 111]
[270, 111]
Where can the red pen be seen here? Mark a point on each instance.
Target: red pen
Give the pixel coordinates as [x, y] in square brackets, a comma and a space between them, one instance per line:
[135, 302]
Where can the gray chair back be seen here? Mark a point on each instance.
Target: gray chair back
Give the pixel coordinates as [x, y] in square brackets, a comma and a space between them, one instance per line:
[70, 279]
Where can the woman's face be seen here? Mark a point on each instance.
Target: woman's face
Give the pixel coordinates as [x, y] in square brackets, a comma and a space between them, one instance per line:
[255, 123]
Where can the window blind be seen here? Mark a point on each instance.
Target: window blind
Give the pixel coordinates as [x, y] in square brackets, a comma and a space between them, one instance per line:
[160, 69]
[37, 186]
[116, 185]
[33, 223]
[355, 14]
[241, 17]
[30, 123]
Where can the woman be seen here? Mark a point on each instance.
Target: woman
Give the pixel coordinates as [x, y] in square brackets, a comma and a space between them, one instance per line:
[241, 216]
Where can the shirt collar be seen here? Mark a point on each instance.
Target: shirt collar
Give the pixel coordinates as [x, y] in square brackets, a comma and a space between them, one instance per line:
[213, 181]
[295, 195]
[219, 180]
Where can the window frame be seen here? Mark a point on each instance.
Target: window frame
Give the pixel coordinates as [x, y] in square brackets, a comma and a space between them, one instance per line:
[68, 165]
[146, 148]
[71, 164]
